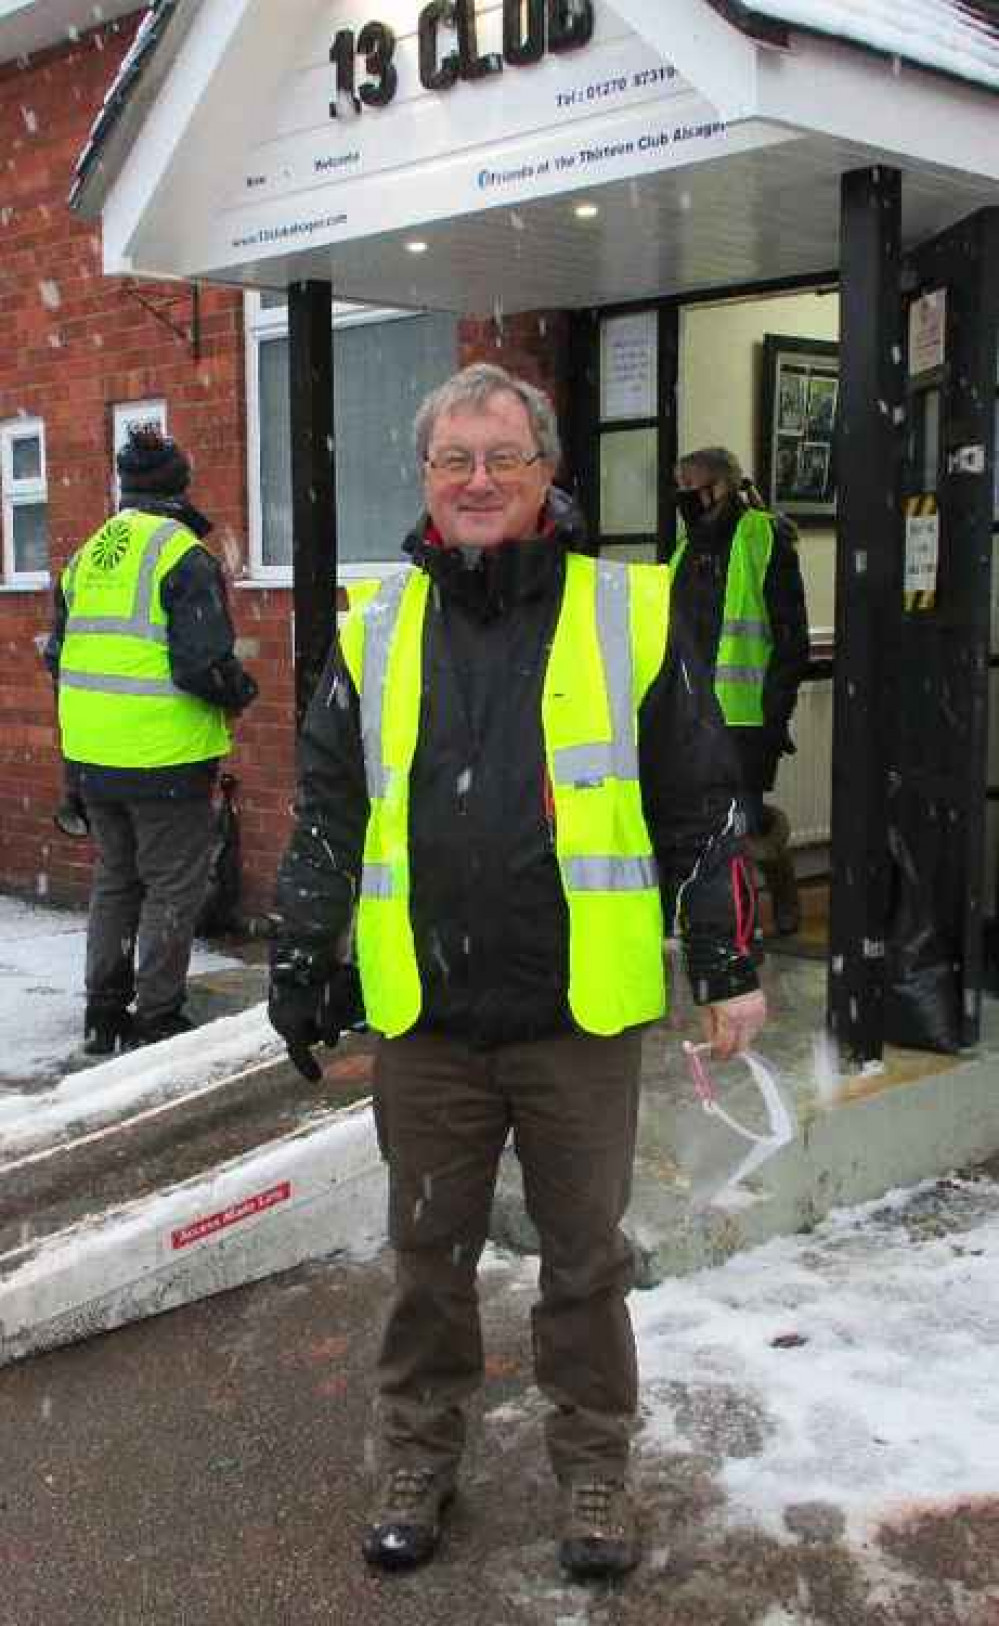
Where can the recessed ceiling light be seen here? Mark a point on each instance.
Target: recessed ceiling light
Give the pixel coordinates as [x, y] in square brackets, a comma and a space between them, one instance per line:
[586, 211]
[417, 246]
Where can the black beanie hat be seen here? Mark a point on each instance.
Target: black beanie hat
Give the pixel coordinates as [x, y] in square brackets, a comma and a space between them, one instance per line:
[151, 462]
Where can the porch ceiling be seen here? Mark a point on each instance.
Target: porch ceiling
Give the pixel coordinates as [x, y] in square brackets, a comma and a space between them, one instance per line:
[748, 217]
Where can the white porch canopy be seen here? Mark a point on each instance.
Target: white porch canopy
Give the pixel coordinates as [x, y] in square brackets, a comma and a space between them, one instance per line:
[712, 155]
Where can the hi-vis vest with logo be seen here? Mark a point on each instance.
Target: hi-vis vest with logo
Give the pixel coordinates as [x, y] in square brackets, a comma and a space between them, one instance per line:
[746, 642]
[118, 705]
[609, 644]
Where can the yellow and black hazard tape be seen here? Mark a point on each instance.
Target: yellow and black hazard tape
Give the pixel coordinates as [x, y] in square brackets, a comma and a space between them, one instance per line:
[921, 507]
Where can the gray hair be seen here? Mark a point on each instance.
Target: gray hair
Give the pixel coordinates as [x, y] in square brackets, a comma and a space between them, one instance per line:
[722, 465]
[472, 387]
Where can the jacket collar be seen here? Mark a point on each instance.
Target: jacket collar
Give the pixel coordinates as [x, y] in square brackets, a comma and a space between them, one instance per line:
[178, 508]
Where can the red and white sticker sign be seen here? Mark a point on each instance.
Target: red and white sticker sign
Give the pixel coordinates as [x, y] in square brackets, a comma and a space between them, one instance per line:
[212, 1223]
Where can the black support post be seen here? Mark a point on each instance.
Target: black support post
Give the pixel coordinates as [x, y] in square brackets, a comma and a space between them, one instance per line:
[868, 587]
[669, 428]
[313, 488]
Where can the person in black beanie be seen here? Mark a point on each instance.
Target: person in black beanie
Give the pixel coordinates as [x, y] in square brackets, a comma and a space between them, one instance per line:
[142, 654]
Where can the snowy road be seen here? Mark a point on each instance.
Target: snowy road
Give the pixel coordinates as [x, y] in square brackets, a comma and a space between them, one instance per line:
[820, 1447]
[819, 1441]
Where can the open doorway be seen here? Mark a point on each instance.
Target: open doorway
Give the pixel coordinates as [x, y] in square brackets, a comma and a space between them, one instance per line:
[756, 373]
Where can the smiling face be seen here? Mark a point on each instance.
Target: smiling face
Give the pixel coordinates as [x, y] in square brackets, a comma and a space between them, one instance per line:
[483, 510]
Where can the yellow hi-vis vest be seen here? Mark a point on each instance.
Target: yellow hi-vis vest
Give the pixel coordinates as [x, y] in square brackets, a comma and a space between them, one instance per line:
[746, 642]
[118, 705]
[609, 645]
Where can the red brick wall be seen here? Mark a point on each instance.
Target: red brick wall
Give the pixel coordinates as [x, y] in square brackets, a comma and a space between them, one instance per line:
[74, 344]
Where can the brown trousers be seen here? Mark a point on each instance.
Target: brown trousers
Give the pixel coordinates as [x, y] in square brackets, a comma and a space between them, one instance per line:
[443, 1113]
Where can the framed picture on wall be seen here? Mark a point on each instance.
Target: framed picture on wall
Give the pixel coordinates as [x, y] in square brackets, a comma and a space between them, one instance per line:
[800, 396]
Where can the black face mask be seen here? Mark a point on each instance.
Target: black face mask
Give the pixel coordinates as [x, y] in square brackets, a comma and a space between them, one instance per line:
[690, 508]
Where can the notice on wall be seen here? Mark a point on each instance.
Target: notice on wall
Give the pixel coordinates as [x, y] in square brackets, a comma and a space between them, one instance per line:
[922, 552]
[628, 372]
[928, 332]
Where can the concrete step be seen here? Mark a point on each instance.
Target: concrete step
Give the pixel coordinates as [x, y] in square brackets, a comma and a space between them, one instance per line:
[919, 1117]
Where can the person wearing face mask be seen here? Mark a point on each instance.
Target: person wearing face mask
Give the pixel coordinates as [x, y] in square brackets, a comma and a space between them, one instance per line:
[513, 777]
[737, 582]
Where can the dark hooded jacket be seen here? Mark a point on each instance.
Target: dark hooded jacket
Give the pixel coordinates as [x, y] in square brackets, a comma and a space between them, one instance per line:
[489, 915]
[200, 641]
[699, 591]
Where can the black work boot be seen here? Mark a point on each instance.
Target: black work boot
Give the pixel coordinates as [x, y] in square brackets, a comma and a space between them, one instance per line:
[151, 1029]
[600, 1533]
[106, 1031]
[407, 1525]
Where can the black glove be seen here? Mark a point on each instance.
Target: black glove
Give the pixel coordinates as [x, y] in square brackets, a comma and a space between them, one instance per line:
[779, 739]
[310, 1013]
[236, 688]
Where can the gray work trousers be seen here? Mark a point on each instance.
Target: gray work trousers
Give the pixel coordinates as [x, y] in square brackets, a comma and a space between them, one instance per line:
[150, 878]
[443, 1112]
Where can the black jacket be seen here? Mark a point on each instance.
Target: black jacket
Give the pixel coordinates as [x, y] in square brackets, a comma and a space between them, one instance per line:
[200, 645]
[489, 915]
[699, 591]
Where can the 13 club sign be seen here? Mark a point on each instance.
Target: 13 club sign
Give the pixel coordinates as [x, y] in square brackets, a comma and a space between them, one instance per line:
[449, 48]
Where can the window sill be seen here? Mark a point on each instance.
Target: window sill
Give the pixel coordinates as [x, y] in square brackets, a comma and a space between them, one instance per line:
[29, 584]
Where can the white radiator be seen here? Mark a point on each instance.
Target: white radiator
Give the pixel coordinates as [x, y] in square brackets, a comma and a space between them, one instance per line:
[804, 781]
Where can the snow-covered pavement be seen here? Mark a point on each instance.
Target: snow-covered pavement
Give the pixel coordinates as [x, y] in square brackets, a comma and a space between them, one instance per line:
[854, 1367]
[41, 989]
[820, 1447]
[827, 1386]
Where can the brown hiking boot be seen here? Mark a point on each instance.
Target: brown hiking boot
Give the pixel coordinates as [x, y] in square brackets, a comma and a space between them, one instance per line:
[600, 1534]
[407, 1526]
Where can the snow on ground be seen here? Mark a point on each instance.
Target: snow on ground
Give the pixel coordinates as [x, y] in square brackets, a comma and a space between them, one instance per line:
[882, 1396]
[41, 990]
[890, 1396]
[854, 1366]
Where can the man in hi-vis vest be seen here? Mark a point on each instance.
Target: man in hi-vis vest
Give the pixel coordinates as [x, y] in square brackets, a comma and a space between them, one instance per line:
[142, 654]
[510, 773]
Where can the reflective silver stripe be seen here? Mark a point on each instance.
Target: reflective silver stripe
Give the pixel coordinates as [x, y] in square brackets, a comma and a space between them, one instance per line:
[617, 759]
[376, 881]
[583, 764]
[140, 623]
[745, 629]
[116, 625]
[740, 674]
[101, 683]
[611, 874]
[142, 609]
[381, 615]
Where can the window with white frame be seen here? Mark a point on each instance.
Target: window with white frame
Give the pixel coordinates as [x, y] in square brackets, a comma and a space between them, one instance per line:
[25, 506]
[384, 363]
[126, 415]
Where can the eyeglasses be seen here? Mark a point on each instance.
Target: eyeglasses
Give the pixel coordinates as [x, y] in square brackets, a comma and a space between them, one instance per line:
[504, 466]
